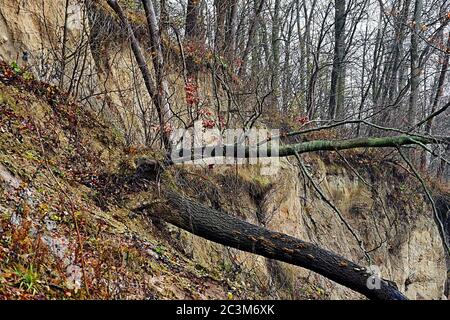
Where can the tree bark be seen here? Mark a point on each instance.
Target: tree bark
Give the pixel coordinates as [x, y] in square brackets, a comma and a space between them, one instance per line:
[415, 68]
[193, 33]
[162, 93]
[143, 67]
[251, 36]
[230, 30]
[337, 73]
[238, 151]
[440, 87]
[276, 54]
[393, 61]
[164, 22]
[221, 12]
[437, 98]
[225, 229]
[64, 45]
[287, 74]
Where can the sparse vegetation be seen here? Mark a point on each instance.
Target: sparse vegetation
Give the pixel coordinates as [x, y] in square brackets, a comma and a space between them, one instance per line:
[94, 206]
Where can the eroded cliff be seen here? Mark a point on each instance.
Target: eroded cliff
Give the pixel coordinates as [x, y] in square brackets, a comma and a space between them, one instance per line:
[61, 213]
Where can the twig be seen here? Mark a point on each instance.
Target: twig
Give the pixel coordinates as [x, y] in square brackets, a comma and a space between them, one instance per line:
[335, 209]
[430, 198]
[77, 229]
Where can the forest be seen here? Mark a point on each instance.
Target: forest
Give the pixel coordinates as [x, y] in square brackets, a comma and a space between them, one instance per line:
[225, 149]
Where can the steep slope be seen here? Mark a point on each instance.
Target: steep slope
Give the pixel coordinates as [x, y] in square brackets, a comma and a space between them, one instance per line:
[56, 236]
[65, 223]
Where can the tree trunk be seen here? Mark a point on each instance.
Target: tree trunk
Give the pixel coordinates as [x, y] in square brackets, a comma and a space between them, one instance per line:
[143, 67]
[437, 96]
[415, 68]
[337, 85]
[164, 23]
[194, 34]
[64, 45]
[242, 152]
[230, 30]
[162, 93]
[251, 36]
[393, 61]
[287, 74]
[221, 11]
[275, 62]
[225, 229]
[302, 62]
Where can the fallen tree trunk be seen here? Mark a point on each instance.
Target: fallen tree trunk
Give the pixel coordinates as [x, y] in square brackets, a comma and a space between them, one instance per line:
[242, 151]
[227, 230]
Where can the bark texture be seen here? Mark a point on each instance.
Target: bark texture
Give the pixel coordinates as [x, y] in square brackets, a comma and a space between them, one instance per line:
[337, 73]
[230, 231]
[238, 151]
[145, 71]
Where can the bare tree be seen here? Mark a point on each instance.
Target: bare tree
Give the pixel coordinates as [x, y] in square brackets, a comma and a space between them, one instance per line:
[338, 72]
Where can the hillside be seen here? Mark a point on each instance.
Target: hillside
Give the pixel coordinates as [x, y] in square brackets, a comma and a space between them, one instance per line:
[85, 176]
[65, 223]
[61, 229]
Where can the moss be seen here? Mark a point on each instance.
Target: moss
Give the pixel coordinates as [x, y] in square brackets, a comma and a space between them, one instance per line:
[5, 214]
[262, 181]
[7, 100]
[117, 135]
[169, 180]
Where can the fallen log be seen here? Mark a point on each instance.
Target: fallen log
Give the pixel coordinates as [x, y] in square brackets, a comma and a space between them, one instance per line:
[230, 231]
[239, 151]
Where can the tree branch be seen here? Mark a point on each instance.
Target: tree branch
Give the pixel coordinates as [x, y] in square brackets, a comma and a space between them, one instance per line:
[143, 67]
[436, 217]
[237, 151]
[333, 207]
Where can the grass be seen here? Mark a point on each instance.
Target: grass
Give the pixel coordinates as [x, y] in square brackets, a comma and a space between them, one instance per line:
[28, 279]
[160, 250]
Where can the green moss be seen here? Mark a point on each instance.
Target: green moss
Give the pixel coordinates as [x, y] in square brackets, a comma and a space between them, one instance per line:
[160, 249]
[5, 214]
[117, 135]
[31, 155]
[262, 181]
[169, 180]
[8, 101]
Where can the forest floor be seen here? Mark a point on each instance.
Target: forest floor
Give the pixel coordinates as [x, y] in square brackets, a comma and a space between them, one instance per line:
[62, 229]
[66, 231]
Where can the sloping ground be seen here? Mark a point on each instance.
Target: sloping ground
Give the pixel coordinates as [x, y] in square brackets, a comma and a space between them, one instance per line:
[54, 238]
[374, 194]
[67, 178]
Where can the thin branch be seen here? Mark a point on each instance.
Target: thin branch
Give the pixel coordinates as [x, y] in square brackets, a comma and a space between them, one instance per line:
[439, 223]
[332, 206]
